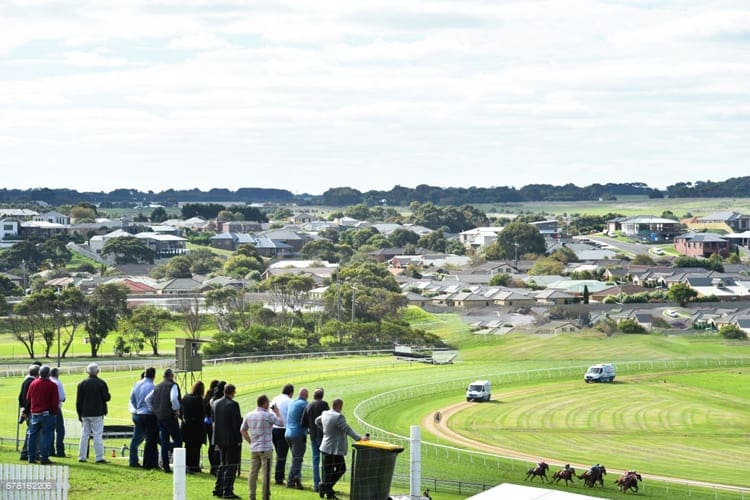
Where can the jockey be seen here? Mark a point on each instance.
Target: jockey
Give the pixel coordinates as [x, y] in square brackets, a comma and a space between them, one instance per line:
[567, 466]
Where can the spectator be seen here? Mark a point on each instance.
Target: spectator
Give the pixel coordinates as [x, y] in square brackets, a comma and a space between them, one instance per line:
[91, 406]
[145, 425]
[228, 439]
[296, 437]
[193, 430]
[313, 411]
[44, 402]
[165, 401]
[257, 429]
[208, 425]
[24, 408]
[57, 448]
[281, 402]
[334, 446]
[212, 450]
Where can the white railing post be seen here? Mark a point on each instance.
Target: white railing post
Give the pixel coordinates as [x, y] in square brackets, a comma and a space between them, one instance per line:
[415, 462]
[178, 473]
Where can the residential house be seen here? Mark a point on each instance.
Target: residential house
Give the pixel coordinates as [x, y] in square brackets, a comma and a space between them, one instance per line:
[702, 244]
[479, 236]
[179, 286]
[238, 226]
[9, 229]
[42, 228]
[650, 228]
[21, 214]
[55, 217]
[547, 228]
[724, 220]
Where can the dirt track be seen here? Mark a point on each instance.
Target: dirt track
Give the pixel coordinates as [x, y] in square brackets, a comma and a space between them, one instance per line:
[428, 423]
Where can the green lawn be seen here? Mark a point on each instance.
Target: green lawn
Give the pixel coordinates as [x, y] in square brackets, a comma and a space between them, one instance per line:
[544, 405]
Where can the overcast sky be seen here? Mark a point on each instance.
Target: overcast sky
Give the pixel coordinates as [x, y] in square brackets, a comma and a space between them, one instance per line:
[305, 95]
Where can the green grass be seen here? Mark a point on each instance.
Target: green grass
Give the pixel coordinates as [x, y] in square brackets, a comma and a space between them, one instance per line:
[549, 407]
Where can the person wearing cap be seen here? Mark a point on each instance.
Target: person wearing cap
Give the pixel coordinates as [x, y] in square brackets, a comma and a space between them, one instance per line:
[165, 401]
[23, 405]
[92, 396]
[45, 403]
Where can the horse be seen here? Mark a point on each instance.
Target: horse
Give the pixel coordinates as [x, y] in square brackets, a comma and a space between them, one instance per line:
[629, 481]
[567, 474]
[594, 475]
[539, 470]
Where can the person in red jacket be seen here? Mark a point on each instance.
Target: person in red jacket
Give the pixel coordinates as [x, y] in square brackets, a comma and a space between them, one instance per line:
[44, 401]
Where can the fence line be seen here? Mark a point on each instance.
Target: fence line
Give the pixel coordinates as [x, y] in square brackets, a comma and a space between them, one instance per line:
[511, 464]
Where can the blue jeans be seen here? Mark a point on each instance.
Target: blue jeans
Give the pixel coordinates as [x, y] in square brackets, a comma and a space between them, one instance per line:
[43, 425]
[139, 435]
[57, 446]
[315, 445]
[297, 447]
[168, 428]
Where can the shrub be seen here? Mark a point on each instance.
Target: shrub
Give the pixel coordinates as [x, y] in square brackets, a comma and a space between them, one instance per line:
[630, 326]
[732, 332]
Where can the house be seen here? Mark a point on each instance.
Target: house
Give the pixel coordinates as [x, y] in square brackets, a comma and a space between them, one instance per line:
[550, 296]
[649, 228]
[238, 226]
[558, 326]
[22, 214]
[724, 220]
[702, 244]
[9, 229]
[547, 228]
[55, 217]
[514, 298]
[479, 236]
[42, 228]
[179, 286]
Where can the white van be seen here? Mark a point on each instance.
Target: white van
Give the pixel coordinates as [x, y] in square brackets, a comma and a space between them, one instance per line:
[481, 390]
[600, 373]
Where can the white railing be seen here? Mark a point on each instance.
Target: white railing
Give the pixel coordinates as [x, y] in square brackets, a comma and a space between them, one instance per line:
[34, 481]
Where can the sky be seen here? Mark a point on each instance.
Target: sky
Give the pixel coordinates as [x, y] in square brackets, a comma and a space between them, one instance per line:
[307, 95]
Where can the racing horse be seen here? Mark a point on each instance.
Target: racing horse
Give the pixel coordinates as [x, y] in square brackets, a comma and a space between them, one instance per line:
[568, 474]
[539, 470]
[594, 475]
[629, 481]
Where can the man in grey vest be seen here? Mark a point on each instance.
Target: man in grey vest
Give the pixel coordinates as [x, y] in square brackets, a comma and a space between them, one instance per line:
[165, 402]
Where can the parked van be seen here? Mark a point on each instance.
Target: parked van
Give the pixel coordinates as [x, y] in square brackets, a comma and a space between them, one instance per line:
[600, 373]
[481, 390]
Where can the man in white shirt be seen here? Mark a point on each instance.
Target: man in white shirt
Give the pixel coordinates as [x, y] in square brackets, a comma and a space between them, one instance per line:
[281, 402]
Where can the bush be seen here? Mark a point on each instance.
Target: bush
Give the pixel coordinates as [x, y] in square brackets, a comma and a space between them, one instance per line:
[630, 326]
[732, 332]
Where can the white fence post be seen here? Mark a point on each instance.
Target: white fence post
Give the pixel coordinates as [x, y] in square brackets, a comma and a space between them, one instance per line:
[415, 446]
[178, 473]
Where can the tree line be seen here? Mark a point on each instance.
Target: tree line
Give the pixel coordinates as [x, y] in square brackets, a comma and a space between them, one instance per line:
[397, 196]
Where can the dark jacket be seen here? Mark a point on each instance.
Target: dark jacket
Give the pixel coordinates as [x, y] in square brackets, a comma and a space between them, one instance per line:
[161, 403]
[313, 411]
[227, 422]
[92, 397]
[22, 401]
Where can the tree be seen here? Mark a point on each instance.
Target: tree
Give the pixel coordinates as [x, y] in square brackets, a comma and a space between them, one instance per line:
[630, 326]
[732, 332]
[55, 253]
[178, 267]
[128, 250]
[585, 294]
[191, 315]
[288, 290]
[203, 261]
[402, 237]
[502, 279]
[159, 215]
[150, 321]
[434, 241]
[681, 293]
[107, 305]
[517, 238]
[642, 259]
[9, 288]
[83, 211]
[319, 249]
[547, 266]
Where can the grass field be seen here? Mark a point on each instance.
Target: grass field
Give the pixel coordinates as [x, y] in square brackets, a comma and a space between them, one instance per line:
[543, 407]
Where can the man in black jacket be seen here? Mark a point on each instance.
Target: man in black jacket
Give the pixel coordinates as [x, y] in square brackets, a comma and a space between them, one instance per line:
[228, 440]
[165, 401]
[91, 405]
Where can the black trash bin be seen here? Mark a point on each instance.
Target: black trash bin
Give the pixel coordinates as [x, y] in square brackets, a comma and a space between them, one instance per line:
[372, 469]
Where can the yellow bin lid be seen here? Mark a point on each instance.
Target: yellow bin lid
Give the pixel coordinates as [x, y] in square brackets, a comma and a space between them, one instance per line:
[380, 445]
